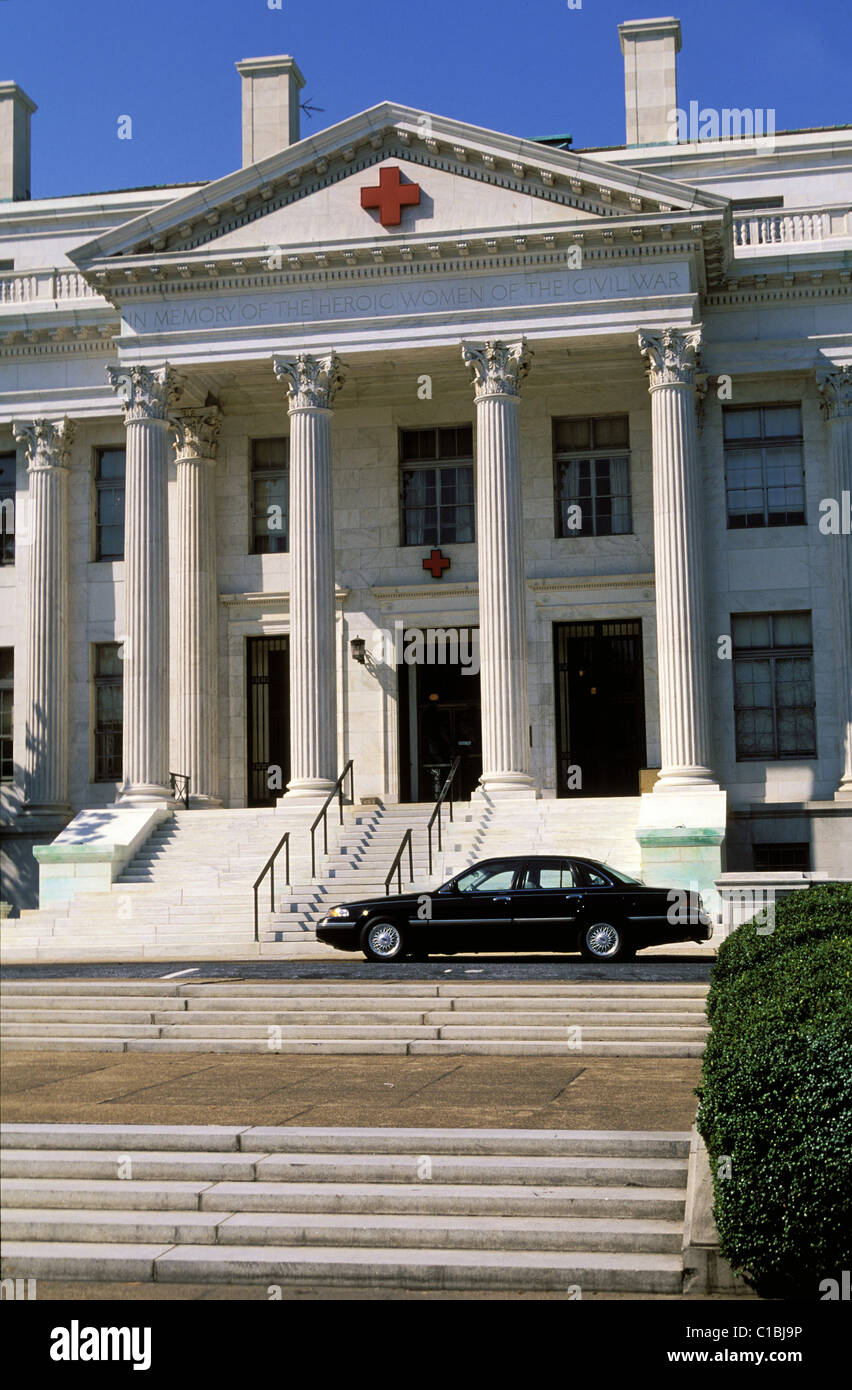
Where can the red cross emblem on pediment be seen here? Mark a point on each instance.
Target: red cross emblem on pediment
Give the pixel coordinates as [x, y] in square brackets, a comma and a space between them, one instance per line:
[436, 563]
[391, 196]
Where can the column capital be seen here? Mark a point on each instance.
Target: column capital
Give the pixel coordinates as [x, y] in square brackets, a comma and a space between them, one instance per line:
[671, 355]
[497, 368]
[835, 389]
[148, 392]
[312, 382]
[48, 442]
[196, 433]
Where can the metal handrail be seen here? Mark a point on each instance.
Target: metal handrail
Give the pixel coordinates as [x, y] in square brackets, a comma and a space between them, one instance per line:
[269, 868]
[436, 814]
[337, 790]
[396, 866]
[174, 778]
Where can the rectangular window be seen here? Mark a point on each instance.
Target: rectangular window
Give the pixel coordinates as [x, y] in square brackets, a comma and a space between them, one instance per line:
[436, 479]
[774, 706]
[8, 465]
[783, 858]
[270, 496]
[764, 466]
[591, 459]
[109, 711]
[7, 700]
[110, 465]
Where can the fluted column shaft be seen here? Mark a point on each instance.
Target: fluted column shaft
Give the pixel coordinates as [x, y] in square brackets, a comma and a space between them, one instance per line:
[46, 761]
[312, 383]
[836, 390]
[682, 651]
[197, 676]
[498, 369]
[148, 394]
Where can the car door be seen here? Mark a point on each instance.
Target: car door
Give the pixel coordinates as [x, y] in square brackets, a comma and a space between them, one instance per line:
[476, 913]
[545, 905]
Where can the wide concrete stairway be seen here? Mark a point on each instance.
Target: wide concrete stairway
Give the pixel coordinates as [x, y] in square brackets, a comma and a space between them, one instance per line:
[187, 893]
[630, 1019]
[477, 1210]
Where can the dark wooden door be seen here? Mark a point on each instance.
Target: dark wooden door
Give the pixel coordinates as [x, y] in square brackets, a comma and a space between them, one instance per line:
[268, 680]
[600, 707]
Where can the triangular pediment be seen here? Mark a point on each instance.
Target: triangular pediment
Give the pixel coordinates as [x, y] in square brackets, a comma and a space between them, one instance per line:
[474, 185]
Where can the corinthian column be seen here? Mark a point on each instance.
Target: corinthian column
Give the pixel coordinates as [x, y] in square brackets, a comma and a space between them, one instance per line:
[148, 395]
[497, 370]
[836, 391]
[678, 560]
[312, 383]
[48, 448]
[196, 440]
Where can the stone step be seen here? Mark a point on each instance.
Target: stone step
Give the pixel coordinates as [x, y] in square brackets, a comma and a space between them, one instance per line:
[345, 1230]
[349, 1139]
[582, 1034]
[103, 1194]
[599, 1023]
[370, 1267]
[483, 994]
[573, 1045]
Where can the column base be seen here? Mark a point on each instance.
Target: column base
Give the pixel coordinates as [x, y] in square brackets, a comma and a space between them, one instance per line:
[305, 788]
[678, 779]
[844, 791]
[499, 785]
[202, 803]
[44, 816]
[146, 794]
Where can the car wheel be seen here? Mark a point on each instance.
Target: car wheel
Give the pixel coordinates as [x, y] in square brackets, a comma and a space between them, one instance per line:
[603, 941]
[382, 941]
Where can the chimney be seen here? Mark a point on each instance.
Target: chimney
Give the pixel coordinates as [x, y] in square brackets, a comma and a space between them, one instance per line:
[650, 78]
[271, 88]
[16, 109]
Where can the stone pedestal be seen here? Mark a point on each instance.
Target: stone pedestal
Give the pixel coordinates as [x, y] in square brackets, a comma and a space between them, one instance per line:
[682, 821]
[312, 383]
[148, 395]
[836, 391]
[498, 370]
[197, 675]
[46, 763]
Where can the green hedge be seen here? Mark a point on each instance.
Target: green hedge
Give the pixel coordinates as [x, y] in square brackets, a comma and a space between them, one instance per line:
[776, 1094]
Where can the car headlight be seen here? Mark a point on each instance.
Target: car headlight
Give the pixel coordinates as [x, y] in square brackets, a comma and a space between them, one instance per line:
[338, 912]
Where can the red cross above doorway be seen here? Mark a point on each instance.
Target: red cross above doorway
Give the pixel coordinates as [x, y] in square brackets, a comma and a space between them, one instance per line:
[391, 196]
[436, 563]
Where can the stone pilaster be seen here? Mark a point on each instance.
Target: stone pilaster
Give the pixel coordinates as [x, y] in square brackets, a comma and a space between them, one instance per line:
[148, 394]
[197, 676]
[46, 751]
[683, 661]
[836, 392]
[498, 369]
[312, 383]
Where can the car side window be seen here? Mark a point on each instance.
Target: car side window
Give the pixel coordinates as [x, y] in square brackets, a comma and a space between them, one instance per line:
[550, 873]
[487, 878]
[592, 878]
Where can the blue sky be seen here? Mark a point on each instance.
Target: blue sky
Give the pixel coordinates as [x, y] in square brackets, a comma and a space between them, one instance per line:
[528, 67]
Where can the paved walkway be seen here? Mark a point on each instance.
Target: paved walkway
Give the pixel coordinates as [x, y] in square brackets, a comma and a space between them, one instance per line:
[487, 1092]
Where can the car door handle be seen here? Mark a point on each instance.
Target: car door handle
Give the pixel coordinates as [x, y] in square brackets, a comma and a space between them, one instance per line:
[505, 899]
[572, 897]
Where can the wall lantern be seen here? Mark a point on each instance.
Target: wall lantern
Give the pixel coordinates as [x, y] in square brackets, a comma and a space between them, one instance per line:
[358, 648]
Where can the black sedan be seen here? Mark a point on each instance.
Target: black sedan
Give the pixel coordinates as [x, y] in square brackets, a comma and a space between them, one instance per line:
[526, 904]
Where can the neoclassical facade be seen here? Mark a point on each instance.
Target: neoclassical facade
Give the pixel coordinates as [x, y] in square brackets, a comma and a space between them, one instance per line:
[276, 450]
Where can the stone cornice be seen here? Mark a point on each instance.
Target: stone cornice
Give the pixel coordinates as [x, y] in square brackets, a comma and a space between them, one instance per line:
[588, 583]
[272, 598]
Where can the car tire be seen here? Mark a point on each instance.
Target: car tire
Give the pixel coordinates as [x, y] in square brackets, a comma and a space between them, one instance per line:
[382, 940]
[603, 941]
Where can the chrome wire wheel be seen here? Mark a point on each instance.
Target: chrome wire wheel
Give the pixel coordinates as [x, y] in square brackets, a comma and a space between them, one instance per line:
[603, 940]
[384, 940]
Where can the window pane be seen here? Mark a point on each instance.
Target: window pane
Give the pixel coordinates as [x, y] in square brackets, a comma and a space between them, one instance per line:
[418, 444]
[611, 432]
[792, 629]
[754, 733]
[796, 733]
[793, 681]
[753, 684]
[741, 424]
[782, 420]
[270, 453]
[7, 663]
[572, 435]
[111, 464]
[751, 630]
[107, 659]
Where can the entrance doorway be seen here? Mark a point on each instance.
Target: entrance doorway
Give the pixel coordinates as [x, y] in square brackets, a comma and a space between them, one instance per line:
[268, 682]
[600, 707]
[439, 718]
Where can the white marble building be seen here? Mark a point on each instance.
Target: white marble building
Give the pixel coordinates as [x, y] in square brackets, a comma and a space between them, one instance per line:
[242, 422]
